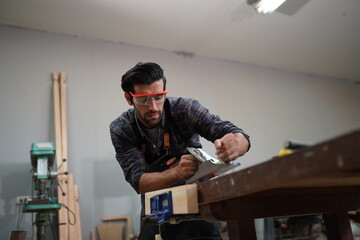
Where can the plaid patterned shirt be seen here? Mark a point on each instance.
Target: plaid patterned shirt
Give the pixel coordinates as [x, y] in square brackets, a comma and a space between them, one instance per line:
[185, 119]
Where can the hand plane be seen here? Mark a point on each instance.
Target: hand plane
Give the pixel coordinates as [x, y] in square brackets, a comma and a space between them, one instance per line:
[208, 165]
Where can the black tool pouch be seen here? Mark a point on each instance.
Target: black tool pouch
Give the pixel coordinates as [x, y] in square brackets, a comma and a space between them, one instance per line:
[159, 163]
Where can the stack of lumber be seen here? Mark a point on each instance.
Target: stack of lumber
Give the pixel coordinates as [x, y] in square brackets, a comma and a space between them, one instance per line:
[69, 214]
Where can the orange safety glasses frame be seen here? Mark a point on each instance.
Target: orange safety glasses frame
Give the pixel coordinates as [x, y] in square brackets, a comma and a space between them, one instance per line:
[147, 94]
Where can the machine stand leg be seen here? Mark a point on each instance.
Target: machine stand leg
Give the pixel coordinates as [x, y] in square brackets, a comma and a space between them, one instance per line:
[242, 229]
[337, 226]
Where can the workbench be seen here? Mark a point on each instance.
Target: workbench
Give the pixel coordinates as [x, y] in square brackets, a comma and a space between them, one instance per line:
[320, 179]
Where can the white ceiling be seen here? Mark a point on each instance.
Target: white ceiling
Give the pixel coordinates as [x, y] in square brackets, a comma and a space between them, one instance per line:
[322, 37]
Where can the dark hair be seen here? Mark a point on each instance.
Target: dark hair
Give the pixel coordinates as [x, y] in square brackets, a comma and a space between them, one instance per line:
[142, 73]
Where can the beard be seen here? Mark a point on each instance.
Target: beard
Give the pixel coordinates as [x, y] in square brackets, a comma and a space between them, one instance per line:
[150, 119]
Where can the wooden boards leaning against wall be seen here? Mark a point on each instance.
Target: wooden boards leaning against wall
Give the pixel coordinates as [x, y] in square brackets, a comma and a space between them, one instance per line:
[69, 214]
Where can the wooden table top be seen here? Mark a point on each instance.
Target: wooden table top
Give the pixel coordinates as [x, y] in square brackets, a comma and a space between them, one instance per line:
[328, 165]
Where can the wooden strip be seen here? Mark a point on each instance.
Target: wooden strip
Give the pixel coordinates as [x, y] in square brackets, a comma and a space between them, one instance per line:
[92, 235]
[71, 206]
[77, 211]
[76, 192]
[63, 107]
[128, 228]
[62, 179]
[127, 218]
[18, 235]
[78, 222]
[110, 231]
[67, 231]
[63, 212]
[57, 117]
[74, 226]
[115, 218]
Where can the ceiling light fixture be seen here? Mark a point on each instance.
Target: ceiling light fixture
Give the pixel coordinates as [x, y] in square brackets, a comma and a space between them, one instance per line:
[266, 6]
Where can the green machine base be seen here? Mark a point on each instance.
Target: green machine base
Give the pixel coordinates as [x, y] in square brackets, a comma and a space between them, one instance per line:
[41, 207]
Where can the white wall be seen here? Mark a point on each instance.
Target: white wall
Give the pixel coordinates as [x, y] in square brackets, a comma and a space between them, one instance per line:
[270, 105]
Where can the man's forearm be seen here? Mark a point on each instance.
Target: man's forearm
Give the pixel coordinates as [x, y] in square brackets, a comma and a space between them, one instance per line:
[157, 180]
[184, 169]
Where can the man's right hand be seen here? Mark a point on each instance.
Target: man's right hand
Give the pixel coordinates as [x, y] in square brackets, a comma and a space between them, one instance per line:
[186, 167]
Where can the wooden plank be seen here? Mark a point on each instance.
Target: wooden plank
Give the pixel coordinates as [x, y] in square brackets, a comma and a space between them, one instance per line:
[63, 212]
[18, 235]
[184, 198]
[110, 231]
[77, 214]
[62, 179]
[116, 218]
[77, 226]
[128, 223]
[70, 199]
[57, 118]
[92, 234]
[77, 211]
[71, 206]
[330, 163]
[76, 192]
[74, 226]
[63, 107]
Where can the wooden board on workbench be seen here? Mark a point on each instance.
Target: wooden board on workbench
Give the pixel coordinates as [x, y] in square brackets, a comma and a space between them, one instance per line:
[184, 198]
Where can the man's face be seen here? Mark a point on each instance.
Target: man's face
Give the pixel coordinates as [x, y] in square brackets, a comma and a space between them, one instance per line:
[148, 113]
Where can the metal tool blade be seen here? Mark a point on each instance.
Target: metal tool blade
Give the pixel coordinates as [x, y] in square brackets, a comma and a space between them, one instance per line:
[208, 165]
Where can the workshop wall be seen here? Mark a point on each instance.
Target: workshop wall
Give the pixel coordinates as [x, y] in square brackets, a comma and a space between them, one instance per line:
[271, 105]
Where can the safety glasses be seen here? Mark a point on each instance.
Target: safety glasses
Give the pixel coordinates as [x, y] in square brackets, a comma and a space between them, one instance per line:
[144, 99]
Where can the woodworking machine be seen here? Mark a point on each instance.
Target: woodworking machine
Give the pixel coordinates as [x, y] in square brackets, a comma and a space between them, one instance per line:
[44, 203]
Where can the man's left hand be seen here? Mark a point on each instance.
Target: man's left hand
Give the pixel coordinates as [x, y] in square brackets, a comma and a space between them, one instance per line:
[231, 146]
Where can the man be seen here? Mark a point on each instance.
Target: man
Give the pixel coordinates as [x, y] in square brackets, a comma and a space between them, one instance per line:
[150, 142]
